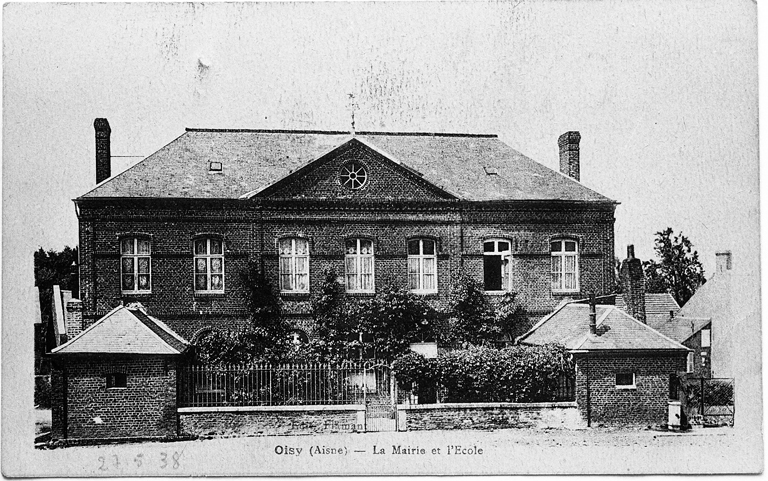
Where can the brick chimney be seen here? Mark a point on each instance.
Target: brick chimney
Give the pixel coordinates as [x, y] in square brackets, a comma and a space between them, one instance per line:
[633, 281]
[103, 154]
[723, 261]
[74, 316]
[569, 153]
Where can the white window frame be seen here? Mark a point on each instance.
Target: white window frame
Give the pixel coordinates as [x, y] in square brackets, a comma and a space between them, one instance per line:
[293, 262]
[358, 258]
[506, 265]
[706, 341]
[207, 256]
[562, 257]
[626, 386]
[421, 257]
[134, 256]
[689, 367]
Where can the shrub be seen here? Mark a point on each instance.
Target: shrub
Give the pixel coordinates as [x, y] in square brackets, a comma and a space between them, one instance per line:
[514, 374]
[43, 392]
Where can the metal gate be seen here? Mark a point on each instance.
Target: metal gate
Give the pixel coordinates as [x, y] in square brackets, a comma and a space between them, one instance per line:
[709, 402]
[379, 398]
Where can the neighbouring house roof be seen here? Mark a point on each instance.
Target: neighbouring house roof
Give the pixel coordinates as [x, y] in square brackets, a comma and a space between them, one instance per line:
[255, 159]
[681, 328]
[657, 306]
[125, 330]
[568, 325]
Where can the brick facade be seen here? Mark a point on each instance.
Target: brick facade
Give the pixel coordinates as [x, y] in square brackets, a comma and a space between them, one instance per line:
[251, 228]
[84, 408]
[603, 403]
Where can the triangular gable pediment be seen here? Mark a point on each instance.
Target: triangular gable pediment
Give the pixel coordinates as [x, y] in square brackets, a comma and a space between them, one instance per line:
[355, 170]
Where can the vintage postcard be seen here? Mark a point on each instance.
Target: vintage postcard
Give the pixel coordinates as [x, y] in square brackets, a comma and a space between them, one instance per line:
[374, 238]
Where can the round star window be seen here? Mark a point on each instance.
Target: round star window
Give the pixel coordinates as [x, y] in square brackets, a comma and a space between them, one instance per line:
[353, 175]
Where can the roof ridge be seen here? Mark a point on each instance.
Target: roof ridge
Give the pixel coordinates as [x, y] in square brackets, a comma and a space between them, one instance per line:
[343, 132]
[652, 329]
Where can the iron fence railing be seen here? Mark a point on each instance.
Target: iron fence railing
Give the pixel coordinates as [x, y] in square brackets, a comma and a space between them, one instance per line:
[276, 385]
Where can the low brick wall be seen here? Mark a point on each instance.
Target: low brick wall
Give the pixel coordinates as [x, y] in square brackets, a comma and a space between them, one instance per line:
[416, 417]
[271, 420]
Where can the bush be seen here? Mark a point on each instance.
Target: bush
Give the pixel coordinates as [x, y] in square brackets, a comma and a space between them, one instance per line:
[514, 374]
[43, 392]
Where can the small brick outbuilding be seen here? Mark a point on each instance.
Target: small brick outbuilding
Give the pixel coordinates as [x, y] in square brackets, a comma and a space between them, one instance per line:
[624, 368]
[117, 379]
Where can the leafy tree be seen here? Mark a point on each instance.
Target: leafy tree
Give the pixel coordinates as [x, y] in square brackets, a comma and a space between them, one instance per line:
[391, 320]
[677, 269]
[510, 315]
[268, 333]
[472, 320]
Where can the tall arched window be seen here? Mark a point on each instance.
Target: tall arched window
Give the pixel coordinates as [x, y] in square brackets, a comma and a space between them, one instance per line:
[209, 265]
[294, 264]
[422, 266]
[565, 265]
[135, 265]
[496, 265]
[358, 265]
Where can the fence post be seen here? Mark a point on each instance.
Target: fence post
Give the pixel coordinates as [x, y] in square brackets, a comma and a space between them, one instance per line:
[702, 401]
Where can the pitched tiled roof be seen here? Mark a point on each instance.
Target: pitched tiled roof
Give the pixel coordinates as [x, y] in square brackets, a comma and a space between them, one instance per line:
[255, 159]
[125, 331]
[680, 328]
[616, 331]
[657, 306]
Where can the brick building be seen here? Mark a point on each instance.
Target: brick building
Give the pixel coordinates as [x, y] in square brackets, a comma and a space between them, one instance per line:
[413, 210]
[117, 379]
[625, 369]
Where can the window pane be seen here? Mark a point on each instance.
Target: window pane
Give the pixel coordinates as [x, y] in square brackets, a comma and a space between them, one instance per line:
[302, 282]
[366, 246]
[570, 264]
[429, 282]
[556, 246]
[429, 247]
[556, 281]
[570, 246]
[492, 272]
[285, 247]
[200, 247]
[366, 265]
[143, 282]
[625, 379]
[366, 282]
[128, 282]
[429, 266]
[570, 281]
[217, 282]
[201, 266]
[503, 246]
[215, 246]
[489, 246]
[216, 265]
[350, 246]
[351, 268]
[557, 264]
[126, 246]
[127, 265]
[302, 247]
[201, 282]
[413, 248]
[302, 265]
[143, 246]
[413, 273]
[143, 265]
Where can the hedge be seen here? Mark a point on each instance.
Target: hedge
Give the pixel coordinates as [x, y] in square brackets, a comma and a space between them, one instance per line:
[513, 374]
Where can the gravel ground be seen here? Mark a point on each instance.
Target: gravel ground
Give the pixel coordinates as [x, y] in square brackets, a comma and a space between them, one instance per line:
[599, 450]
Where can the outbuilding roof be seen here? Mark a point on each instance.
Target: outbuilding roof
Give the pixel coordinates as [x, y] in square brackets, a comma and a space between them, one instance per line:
[681, 328]
[125, 330]
[473, 167]
[616, 331]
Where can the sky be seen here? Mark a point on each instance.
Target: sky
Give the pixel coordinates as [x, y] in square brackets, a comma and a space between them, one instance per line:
[663, 93]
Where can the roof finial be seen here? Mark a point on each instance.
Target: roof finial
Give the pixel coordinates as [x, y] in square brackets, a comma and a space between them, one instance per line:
[352, 106]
